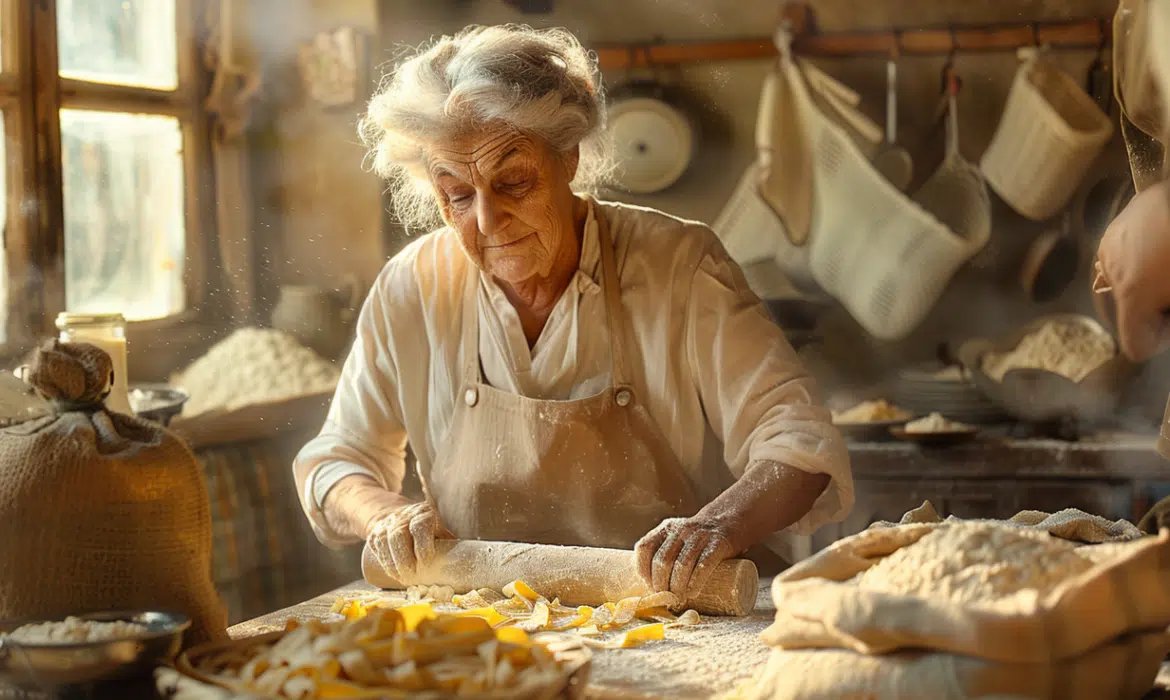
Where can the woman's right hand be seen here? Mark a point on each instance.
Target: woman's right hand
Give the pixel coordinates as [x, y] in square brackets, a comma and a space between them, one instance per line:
[404, 540]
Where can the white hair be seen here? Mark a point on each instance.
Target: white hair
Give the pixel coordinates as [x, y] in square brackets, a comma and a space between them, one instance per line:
[540, 82]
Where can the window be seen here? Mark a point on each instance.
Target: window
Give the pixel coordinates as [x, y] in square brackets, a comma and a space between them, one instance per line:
[106, 135]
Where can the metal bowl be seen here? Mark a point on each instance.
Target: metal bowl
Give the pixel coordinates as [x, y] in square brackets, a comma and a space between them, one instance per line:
[1040, 396]
[157, 402]
[50, 666]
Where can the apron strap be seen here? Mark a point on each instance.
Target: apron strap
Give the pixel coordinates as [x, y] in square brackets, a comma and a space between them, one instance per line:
[610, 284]
[469, 341]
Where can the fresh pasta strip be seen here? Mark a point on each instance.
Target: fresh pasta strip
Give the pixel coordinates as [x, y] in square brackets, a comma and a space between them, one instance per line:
[519, 606]
[632, 638]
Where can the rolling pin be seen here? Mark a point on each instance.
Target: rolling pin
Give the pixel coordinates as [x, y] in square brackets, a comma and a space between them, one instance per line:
[575, 575]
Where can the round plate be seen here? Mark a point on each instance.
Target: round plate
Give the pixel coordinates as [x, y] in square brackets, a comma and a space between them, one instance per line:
[936, 439]
[653, 142]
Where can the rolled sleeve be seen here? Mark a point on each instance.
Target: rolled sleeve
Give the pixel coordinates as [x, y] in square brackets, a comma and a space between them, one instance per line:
[364, 432]
[758, 398]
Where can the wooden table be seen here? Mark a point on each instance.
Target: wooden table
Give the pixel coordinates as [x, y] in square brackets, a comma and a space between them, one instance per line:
[695, 663]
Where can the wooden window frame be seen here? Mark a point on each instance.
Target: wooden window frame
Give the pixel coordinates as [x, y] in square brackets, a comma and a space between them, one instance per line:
[32, 97]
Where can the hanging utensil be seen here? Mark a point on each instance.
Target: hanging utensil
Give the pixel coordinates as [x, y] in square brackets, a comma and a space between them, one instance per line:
[843, 101]
[784, 158]
[1100, 79]
[1051, 262]
[892, 161]
[654, 140]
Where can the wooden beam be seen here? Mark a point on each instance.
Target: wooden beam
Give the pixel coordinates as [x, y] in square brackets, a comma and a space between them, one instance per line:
[25, 305]
[47, 240]
[619, 57]
[1083, 34]
[1080, 34]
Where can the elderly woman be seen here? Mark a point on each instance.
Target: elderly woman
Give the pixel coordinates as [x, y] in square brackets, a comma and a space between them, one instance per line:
[566, 371]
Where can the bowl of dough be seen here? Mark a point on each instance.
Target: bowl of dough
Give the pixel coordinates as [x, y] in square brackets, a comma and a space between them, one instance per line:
[1058, 367]
[870, 420]
[81, 649]
[935, 430]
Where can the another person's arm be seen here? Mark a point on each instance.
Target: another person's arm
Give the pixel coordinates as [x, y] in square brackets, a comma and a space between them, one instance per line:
[1134, 263]
[1134, 253]
[791, 464]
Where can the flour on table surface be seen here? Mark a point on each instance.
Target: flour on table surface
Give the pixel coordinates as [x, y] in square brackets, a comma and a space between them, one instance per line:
[252, 366]
[699, 660]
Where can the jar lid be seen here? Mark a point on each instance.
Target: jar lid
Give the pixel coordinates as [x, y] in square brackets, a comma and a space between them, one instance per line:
[74, 320]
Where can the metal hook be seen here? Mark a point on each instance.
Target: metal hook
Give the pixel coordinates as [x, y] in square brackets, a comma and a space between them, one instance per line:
[954, 47]
[948, 69]
[896, 44]
[1036, 34]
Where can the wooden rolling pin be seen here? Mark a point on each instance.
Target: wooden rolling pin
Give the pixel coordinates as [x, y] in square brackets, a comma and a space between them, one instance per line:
[576, 575]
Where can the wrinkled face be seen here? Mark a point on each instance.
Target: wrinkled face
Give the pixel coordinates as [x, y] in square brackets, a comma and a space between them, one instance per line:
[507, 195]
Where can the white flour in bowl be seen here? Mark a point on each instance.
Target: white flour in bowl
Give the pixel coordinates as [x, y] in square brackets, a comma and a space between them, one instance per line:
[251, 366]
[1069, 349]
[75, 630]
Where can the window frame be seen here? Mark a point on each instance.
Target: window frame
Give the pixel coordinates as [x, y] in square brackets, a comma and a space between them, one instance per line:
[32, 98]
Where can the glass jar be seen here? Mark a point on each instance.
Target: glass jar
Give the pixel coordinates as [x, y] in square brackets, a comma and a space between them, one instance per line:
[108, 332]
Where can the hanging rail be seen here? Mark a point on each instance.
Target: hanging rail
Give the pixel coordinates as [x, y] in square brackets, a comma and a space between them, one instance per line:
[1074, 34]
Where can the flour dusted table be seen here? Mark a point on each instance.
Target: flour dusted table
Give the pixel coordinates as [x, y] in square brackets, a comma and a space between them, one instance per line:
[690, 663]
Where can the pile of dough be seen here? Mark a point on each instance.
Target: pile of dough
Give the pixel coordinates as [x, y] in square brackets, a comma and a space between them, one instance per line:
[520, 607]
[936, 423]
[870, 412]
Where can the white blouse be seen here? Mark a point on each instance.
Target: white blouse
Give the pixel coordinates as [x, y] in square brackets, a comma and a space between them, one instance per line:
[718, 376]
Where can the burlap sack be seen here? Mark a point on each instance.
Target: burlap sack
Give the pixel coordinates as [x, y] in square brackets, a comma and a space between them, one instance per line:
[1126, 591]
[101, 510]
[1122, 669]
[1068, 524]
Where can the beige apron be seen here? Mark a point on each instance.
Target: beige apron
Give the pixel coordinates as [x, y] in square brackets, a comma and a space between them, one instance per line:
[593, 471]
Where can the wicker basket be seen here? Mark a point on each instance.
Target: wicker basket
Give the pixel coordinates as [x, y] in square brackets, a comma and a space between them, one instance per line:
[1050, 133]
[878, 252]
[757, 240]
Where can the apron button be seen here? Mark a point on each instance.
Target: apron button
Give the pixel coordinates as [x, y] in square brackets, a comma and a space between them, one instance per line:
[471, 397]
[624, 397]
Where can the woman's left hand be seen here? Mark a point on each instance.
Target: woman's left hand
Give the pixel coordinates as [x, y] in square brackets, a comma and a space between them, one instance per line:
[681, 554]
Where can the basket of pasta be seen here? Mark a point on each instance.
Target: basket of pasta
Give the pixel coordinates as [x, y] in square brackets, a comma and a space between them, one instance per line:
[409, 652]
